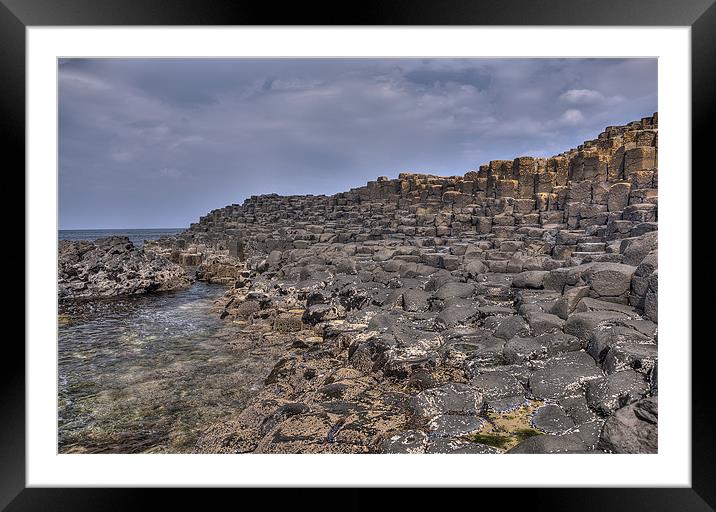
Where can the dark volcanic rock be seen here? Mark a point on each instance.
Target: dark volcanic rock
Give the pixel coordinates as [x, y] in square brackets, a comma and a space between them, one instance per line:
[442, 445]
[113, 266]
[512, 326]
[552, 419]
[564, 375]
[614, 391]
[497, 384]
[568, 443]
[451, 398]
[410, 441]
[632, 429]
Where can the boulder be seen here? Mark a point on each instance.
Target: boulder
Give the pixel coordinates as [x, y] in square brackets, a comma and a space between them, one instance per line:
[590, 304]
[559, 342]
[567, 443]
[495, 385]
[551, 419]
[637, 249]
[530, 279]
[451, 398]
[453, 290]
[651, 301]
[605, 338]
[484, 351]
[618, 196]
[566, 304]
[454, 315]
[612, 392]
[474, 268]
[563, 375]
[632, 429]
[610, 279]
[454, 425]
[519, 350]
[415, 300]
[409, 441]
[583, 325]
[624, 356]
[446, 445]
[541, 323]
[512, 326]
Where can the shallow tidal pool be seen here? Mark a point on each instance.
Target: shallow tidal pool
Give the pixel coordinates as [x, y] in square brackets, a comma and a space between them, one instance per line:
[147, 374]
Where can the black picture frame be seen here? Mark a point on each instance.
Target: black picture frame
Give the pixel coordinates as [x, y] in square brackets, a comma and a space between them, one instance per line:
[700, 15]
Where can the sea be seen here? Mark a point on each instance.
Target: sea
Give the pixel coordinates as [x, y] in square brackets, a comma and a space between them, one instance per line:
[136, 236]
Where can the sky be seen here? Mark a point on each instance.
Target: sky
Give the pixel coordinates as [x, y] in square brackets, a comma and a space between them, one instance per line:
[149, 143]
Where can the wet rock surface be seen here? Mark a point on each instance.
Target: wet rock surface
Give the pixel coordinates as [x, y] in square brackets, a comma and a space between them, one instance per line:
[512, 309]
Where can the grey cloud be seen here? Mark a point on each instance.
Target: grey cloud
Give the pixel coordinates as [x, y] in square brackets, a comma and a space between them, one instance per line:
[432, 77]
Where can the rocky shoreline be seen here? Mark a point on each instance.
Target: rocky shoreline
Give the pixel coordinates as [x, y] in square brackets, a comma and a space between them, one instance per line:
[509, 310]
[113, 266]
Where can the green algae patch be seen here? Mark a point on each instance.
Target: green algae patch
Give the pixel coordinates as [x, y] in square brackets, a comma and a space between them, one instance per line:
[500, 441]
[505, 430]
[525, 433]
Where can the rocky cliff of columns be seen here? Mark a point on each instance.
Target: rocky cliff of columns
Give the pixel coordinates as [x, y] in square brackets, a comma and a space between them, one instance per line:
[588, 204]
[511, 309]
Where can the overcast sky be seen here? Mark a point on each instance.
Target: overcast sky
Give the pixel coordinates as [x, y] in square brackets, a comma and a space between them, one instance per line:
[159, 142]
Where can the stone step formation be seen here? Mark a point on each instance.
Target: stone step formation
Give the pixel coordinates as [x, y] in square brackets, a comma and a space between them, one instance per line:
[511, 309]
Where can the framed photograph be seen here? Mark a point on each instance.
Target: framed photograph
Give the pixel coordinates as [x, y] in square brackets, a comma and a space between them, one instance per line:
[414, 247]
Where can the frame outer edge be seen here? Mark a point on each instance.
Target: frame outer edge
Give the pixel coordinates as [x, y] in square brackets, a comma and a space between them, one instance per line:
[12, 124]
[371, 12]
[12, 135]
[703, 412]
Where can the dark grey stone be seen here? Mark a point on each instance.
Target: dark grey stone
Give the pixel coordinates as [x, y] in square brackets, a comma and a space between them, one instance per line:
[604, 338]
[455, 315]
[497, 384]
[530, 279]
[563, 375]
[453, 425]
[451, 398]
[632, 429]
[409, 441]
[511, 327]
[453, 290]
[623, 356]
[583, 325]
[541, 323]
[552, 419]
[443, 445]
[546, 443]
[614, 391]
[518, 350]
[415, 300]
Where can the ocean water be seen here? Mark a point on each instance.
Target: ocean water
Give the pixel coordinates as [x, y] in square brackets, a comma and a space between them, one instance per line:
[136, 236]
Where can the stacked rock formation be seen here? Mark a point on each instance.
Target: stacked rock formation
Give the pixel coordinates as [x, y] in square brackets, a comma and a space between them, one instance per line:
[510, 309]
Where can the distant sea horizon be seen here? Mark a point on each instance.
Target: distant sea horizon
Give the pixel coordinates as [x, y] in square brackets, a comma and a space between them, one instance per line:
[136, 236]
